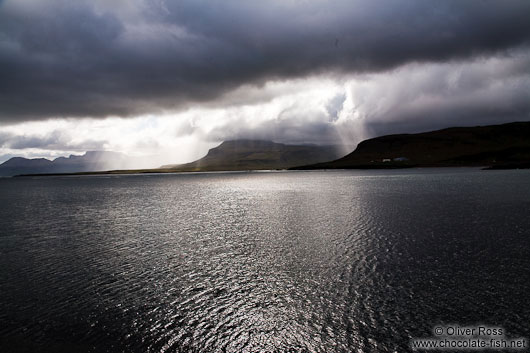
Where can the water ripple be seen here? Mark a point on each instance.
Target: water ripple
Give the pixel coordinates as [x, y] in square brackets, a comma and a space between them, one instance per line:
[260, 262]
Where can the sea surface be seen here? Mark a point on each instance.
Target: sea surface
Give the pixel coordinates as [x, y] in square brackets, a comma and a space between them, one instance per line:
[325, 261]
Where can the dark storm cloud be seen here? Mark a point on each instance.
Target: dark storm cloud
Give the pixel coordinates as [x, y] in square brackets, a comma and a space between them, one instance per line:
[80, 58]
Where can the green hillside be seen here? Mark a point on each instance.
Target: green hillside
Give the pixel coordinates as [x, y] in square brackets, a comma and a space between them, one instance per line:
[256, 155]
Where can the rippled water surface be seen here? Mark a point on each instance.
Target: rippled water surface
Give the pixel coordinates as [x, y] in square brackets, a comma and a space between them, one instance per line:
[261, 262]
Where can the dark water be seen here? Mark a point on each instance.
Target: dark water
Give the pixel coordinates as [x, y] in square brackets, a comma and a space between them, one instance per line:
[261, 262]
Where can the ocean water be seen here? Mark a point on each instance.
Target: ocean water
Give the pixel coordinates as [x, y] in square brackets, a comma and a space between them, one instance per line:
[328, 261]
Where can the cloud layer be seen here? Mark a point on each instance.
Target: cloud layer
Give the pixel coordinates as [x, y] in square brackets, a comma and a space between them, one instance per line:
[83, 58]
[174, 78]
[323, 110]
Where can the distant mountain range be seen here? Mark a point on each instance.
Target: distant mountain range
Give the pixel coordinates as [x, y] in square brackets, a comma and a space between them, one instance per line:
[90, 161]
[497, 146]
[258, 154]
[229, 155]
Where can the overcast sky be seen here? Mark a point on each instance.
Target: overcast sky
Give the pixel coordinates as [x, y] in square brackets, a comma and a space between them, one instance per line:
[173, 78]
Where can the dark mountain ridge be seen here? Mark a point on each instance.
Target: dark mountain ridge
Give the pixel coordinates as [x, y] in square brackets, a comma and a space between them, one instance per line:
[493, 145]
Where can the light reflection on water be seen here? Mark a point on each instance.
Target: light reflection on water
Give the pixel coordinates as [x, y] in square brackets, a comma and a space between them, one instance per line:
[295, 261]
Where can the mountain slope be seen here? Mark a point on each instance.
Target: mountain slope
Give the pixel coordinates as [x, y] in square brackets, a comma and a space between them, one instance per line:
[258, 154]
[494, 145]
[19, 165]
[90, 161]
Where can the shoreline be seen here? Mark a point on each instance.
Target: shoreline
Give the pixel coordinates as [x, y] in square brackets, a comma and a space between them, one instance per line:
[364, 168]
